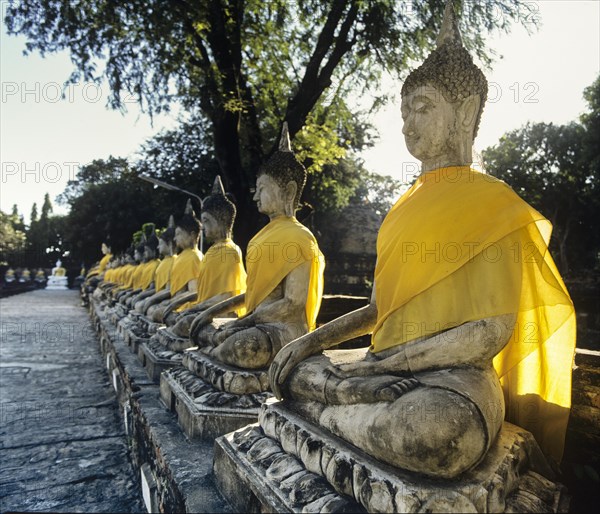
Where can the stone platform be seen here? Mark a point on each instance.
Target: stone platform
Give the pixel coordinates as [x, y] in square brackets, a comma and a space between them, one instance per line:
[175, 473]
[204, 412]
[287, 464]
[179, 472]
[157, 359]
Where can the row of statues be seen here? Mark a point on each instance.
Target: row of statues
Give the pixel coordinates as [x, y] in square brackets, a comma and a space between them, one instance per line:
[37, 277]
[471, 322]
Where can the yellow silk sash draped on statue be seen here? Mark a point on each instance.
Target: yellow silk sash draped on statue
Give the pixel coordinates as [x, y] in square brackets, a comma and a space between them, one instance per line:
[125, 278]
[103, 262]
[185, 268]
[460, 246]
[163, 272]
[136, 277]
[274, 252]
[221, 271]
[148, 274]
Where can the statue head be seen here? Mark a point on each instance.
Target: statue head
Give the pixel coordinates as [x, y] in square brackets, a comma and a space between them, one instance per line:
[218, 213]
[280, 180]
[150, 247]
[58, 263]
[105, 248]
[188, 228]
[442, 101]
[166, 240]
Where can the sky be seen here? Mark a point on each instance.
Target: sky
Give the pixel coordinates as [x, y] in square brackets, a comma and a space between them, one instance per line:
[45, 139]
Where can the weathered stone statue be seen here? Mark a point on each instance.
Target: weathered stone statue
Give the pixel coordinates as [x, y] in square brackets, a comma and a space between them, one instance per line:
[9, 276]
[58, 279]
[463, 278]
[285, 276]
[224, 381]
[144, 278]
[222, 273]
[166, 248]
[186, 268]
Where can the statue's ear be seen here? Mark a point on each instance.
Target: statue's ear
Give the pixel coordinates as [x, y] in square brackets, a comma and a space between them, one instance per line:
[291, 189]
[469, 109]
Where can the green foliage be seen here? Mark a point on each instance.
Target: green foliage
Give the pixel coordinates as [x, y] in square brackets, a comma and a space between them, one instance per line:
[244, 67]
[12, 239]
[555, 169]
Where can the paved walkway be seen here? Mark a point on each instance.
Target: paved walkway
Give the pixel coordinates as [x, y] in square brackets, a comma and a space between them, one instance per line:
[62, 443]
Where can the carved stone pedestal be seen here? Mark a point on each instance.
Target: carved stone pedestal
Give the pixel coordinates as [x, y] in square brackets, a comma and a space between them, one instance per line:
[287, 464]
[156, 358]
[211, 399]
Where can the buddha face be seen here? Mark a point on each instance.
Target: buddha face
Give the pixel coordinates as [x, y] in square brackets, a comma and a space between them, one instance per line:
[438, 132]
[213, 230]
[429, 123]
[272, 199]
[163, 247]
[105, 249]
[184, 239]
[149, 253]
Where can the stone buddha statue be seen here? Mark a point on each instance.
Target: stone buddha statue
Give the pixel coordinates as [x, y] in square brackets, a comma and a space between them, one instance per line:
[58, 270]
[285, 276]
[145, 281]
[9, 276]
[186, 268]
[143, 276]
[452, 309]
[58, 279]
[25, 275]
[166, 249]
[222, 273]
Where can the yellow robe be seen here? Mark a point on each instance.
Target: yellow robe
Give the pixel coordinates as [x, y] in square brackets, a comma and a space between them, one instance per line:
[185, 268]
[221, 271]
[97, 270]
[124, 276]
[136, 276]
[148, 274]
[460, 246]
[163, 272]
[273, 253]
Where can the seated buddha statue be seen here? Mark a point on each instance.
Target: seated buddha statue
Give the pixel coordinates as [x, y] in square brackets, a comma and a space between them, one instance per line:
[470, 319]
[132, 271]
[9, 276]
[58, 270]
[285, 276]
[150, 262]
[186, 268]
[166, 249]
[222, 273]
[25, 275]
[143, 276]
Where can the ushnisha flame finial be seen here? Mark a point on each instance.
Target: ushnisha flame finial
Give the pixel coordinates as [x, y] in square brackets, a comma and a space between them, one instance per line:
[171, 223]
[449, 30]
[218, 188]
[189, 209]
[284, 140]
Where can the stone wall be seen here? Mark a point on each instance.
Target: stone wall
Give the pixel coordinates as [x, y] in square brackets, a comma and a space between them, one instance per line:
[349, 242]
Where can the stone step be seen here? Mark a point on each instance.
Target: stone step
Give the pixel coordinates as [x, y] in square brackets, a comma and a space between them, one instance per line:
[204, 412]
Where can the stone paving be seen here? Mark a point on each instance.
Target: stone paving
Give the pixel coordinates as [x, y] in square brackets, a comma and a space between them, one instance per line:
[62, 443]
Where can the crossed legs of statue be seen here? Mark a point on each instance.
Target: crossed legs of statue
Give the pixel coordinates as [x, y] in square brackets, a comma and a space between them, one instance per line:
[247, 347]
[404, 420]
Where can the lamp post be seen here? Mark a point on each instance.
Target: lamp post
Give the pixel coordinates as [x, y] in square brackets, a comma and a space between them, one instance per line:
[170, 187]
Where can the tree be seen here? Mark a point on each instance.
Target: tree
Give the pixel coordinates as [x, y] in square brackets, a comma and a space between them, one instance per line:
[45, 237]
[34, 214]
[245, 66]
[555, 169]
[108, 204]
[12, 240]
